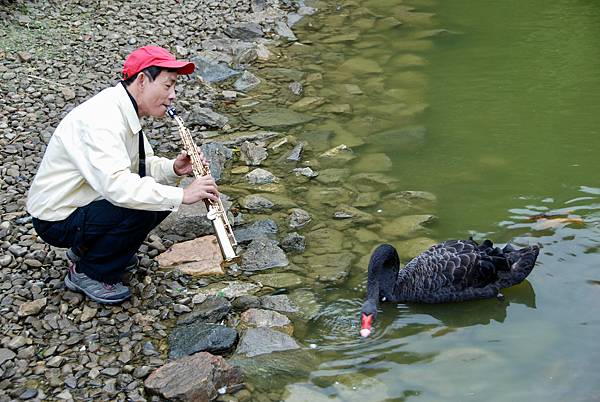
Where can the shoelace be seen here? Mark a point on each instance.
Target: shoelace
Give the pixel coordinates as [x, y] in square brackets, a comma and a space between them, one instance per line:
[109, 286]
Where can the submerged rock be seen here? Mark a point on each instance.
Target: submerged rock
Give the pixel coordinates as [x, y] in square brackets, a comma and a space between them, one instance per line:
[278, 303]
[268, 319]
[263, 254]
[283, 280]
[246, 82]
[259, 341]
[407, 226]
[279, 118]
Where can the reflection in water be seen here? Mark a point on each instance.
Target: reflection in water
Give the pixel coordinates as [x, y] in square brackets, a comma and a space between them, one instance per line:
[466, 314]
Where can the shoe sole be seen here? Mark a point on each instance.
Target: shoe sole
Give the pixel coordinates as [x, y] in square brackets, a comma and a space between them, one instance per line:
[71, 285]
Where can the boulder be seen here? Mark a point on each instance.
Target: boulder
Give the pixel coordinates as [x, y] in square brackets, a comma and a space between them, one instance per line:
[197, 378]
[259, 341]
[201, 256]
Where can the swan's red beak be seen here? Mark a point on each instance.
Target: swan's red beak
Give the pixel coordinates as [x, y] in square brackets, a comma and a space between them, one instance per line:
[366, 321]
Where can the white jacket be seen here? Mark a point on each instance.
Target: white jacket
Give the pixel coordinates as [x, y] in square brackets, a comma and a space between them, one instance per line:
[93, 155]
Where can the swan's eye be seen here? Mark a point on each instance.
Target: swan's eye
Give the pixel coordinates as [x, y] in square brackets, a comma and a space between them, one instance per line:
[383, 299]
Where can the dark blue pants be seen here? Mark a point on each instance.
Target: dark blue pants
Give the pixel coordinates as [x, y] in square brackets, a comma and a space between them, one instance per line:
[105, 236]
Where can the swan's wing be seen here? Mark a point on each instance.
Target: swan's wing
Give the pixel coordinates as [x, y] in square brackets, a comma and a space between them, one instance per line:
[454, 265]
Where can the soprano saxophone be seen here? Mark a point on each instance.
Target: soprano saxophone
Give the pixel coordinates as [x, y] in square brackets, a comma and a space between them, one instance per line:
[216, 212]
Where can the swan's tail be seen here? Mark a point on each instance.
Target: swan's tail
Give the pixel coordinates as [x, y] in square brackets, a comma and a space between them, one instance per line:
[521, 263]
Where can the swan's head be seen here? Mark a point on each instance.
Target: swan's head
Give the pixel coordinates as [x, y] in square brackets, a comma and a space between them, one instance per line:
[367, 316]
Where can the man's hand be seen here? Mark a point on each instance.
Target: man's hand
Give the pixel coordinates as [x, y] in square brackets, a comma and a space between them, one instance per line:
[202, 188]
[182, 165]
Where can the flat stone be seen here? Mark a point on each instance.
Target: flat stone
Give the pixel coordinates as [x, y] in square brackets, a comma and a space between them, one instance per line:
[5, 355]
[88, 313]
[266, 228]
[407, 226]
[213, 309]
[199, 336]
[279, 118]
[298, 218]
[258, 341]
[198, 257]
[278, 303]
[283, 280]
[211, 71]
[261, 176]
[246, 82]
[32, 308]
[266, 318]
[193, 378]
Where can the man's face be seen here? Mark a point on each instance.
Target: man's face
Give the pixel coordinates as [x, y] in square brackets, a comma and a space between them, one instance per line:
[157, 95]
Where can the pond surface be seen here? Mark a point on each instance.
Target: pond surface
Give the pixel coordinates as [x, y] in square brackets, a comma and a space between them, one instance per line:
[491, 106]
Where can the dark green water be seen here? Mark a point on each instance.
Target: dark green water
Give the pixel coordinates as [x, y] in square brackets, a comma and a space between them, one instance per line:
[511, 90]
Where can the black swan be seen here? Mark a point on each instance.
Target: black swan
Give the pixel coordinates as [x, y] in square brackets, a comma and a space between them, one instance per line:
[452, 271]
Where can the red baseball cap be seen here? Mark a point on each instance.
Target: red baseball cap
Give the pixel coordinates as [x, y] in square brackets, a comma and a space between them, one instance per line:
[148, 56]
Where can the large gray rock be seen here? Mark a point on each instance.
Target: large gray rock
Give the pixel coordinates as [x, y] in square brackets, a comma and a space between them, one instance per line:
[278, 303]
[199, 336]
[255, 202]
[246, 82]
[211, 71]
[263, 254]
[284, 31]
[333, 268]
[213, 309]
[266, 228]
[203, 116]
[261, 176]
[244, 30]
[298, 218]
[253, 154]
[189, 219]
[294, 243]
[259, 318]
[217, 155]
[259, 341]
[196, 378]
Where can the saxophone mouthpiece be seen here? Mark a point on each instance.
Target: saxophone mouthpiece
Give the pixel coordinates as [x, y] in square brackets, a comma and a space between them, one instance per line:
[171, 111]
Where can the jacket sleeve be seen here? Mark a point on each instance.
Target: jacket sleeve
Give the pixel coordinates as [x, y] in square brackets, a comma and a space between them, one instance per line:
[101, 156]
[159, 168]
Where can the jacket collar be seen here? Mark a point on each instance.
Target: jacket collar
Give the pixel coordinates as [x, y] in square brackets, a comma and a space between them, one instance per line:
[129, 107]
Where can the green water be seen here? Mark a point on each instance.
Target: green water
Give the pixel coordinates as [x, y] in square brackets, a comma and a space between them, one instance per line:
[507, 96]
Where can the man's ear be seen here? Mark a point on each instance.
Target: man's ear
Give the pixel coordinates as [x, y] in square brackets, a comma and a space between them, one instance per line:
[141, 80]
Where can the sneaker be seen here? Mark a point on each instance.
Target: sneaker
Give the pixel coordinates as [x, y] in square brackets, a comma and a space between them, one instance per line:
[96, 290]
[131, 264]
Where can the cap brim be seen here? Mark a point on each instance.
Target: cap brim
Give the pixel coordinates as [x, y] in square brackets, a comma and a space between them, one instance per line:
[183, 67]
